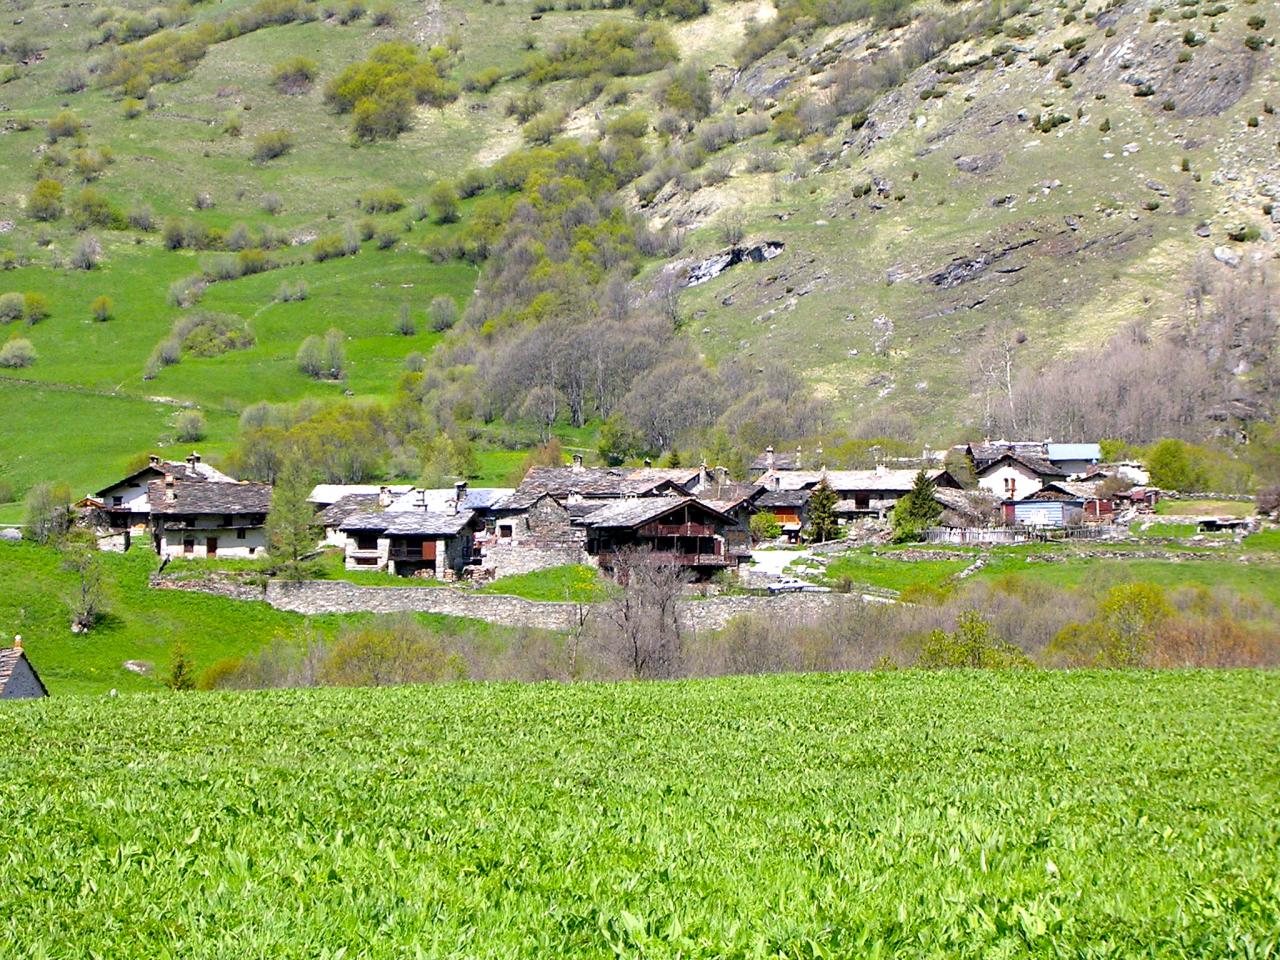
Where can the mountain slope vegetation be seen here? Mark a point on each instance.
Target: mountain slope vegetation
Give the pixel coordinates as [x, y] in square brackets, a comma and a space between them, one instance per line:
[494, 208]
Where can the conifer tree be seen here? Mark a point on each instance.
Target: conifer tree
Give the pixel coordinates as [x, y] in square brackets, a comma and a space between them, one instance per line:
[823, 525]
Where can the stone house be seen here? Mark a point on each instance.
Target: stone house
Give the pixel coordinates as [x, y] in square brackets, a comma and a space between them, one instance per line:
[122, 511]
[859, 493]
[193, 519]
[439, 546]
[18, 678]
[1016, 476]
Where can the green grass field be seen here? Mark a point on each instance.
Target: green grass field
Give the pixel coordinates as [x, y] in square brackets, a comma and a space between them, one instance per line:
[879, 815]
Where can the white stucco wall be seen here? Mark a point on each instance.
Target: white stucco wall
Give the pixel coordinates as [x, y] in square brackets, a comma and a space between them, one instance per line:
[1025, 481]
[230, 545]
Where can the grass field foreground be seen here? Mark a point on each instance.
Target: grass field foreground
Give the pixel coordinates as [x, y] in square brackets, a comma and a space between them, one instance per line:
[893, 814]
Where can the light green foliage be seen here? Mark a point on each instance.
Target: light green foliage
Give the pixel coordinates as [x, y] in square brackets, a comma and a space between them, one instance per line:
[17, 353]
[442, 202]
[45, 202]
[294, 75]
[765, 526]
[182, 675]
[643, 819]
[1120, 635]
[447, 459]
[619, 441]
[290, 535]
[101, 308]
[973, 646]
[48, 512]
[612, 49]
[190, 426]
[381, 91]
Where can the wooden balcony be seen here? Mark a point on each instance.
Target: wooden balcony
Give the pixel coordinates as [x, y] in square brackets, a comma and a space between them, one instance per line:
[679, 530]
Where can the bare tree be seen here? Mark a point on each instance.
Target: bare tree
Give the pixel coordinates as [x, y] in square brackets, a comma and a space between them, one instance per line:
[640, 623]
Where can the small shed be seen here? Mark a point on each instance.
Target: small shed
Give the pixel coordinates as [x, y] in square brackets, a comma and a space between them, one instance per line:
[18, 678]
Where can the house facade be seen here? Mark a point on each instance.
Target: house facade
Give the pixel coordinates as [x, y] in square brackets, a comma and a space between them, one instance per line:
[682, 530]
[438, 546]
[123, 513]
[1017, 476]
[199, 519]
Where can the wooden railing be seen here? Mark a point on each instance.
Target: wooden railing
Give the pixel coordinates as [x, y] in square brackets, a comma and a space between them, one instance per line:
[680, 530]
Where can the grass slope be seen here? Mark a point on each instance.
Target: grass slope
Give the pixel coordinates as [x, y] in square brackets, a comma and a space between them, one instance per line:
[907, 814]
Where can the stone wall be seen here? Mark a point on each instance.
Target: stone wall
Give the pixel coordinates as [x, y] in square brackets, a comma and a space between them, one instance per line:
[339, 596]
[507, 559]
[216, 585]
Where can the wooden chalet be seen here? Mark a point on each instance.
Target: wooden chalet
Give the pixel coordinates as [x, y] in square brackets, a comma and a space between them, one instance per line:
[681, 529]
[439, 546]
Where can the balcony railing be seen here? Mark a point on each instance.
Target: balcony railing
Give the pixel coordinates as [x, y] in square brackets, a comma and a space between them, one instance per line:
[680, 530]
[409, 553]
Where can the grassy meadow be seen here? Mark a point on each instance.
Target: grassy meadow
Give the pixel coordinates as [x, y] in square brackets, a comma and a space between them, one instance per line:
[955, 814]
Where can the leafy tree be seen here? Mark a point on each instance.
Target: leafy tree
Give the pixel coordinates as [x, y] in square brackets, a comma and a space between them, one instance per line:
[973, 645]
[12, 306]
[442, 202]
[311, 357]
[1122, 633]
[35, 306]
[443, 312]
[190, 426]
[406, 326]
[80, 556]
[335, 352]
[823, 525]
[290, 535]
[48, 512]
[446, 459]
[17, 353]
[765, 526]
[45, 202]
[917, 510]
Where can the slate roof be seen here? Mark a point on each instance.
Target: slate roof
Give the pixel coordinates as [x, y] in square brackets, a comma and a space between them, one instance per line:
[178, 469]
[1036, 464]
[9, 660]
[440, 500]
[638, 511]
[729, 492]
[410, 524]
[328, 494]
[204, 497]
[1077, 489]
[862, 481]
[781, 461]
[988, 452]
[352, 503]
[559, 482]
[783, 498]
[967, 504]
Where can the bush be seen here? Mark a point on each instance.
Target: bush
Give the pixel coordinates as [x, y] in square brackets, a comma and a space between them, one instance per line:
[765, 526]
[64, 125]
[610, 49]
[45, 202]
[443, 312]
[271, 203]
[143, 218]
[323, 358]
[48, 511]
[91, 208]
[12, 306]
[101, 308]
[190, 426]
[35, 306]
[271, 144]
[973, 645]
[406, 326]
[295, 75]
[380, 92]
[442, 202]
[484, 81]
[544, 127]
[330, 246]
[17, 353]
[386, 200]
[88, 253]
[525, 106]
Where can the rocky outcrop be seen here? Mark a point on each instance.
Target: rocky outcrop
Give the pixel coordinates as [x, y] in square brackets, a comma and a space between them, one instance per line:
[712, 267]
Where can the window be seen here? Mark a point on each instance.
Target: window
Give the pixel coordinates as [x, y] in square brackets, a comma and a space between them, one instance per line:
[367, 541]
[504, 531]
[1010, 484]
[240, 533]
[228, 520]
[117, 501]
[189, 546]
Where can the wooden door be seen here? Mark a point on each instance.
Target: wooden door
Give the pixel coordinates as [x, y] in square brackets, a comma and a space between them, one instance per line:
[428, 549]
[211, 547]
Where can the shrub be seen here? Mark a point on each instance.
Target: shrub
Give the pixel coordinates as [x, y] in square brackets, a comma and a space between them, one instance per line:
[133, 108]
[385, 200]
[525, 106]
[45, 202]
[973, 645]
[88, 253]
[64, 125]
[765, 526]
[331, 245]
[12, 306]
[294, 76]
[386, 239]
[211, 334]
[380, 92]
[415, 362]
[311, 357]
[288, 292]
[484, 81]
[91, 208]
[323, 358]
[186, 291]
[443, 312]
[271, 203]
[143, 218]
[406, 326]
[271, 144]
[611, 48]
[48, 511]
[190, 426]
[35, 306]
[101, 308]
[544, 127]
[442, 202]
[17, 353]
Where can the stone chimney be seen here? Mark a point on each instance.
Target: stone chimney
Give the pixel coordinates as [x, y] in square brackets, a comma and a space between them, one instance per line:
[577, 463]
[154, 460]
[648, 462]
[193, 459]
[384, 497]
[459, 495]
[768, 457]
[17, 641]
[575, 496]
[170, 489]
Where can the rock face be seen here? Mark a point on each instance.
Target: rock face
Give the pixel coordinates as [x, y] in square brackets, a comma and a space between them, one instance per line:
[712, 267]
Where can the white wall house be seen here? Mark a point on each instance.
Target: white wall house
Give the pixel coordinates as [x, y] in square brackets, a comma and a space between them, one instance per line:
[199, 520]
[1012, 478]
[126, 504]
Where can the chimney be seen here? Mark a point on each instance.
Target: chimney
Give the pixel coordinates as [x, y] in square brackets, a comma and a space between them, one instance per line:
[170, 491]
[17, 641]
[575, 496]
[722, 475]
[459, 495]
[384, 497]
[648, 462]
[577, 463]
[768, 457]
[799, 453]
[777, 482]
[193, 459]
[154, 460]
[879, 469]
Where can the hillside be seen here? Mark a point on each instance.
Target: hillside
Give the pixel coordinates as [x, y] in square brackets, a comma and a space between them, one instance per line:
[965, 814]
[890, 148]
